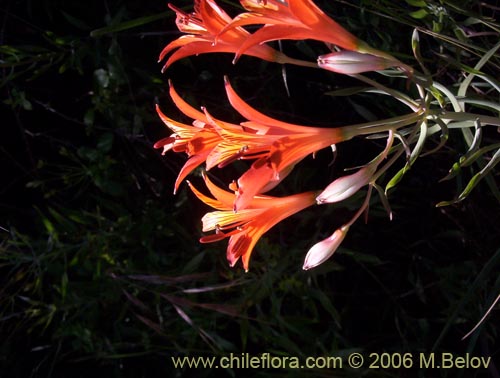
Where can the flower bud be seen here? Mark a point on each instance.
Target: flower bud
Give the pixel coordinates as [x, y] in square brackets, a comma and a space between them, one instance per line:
[322, 251]
[352, 62]
[346, 186]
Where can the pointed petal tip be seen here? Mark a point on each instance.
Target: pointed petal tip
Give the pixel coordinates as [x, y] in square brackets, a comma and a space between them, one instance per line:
[320, 200]
[236, 58]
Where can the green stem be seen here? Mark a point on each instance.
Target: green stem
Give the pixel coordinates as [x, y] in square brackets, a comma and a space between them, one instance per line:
[298, 62]
[384, 125]
[362, 209]
[464, 116]
[412, 104]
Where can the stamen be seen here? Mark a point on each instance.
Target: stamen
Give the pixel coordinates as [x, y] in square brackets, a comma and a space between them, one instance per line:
[233, 186]
[236, 156]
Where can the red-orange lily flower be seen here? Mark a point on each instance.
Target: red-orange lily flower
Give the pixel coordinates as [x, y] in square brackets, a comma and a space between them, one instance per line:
[204, 140]
[275, 145]
[204, 26]
[197, 141]
[277, 150]
[291, 19]
[245, 227]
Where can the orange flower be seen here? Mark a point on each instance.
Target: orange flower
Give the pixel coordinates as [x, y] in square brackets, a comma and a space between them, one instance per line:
[275, 146]
[203, 26]
[196, 141]
[245, 227]
[204, 140]
[293, 19]
[277, 150]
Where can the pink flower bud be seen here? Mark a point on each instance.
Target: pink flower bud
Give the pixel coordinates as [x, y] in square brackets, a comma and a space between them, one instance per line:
[346, 186]
[322, 251]
[352, 62]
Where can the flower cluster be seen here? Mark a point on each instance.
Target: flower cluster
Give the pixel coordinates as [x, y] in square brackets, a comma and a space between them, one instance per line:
[274, 146]
[243, 213]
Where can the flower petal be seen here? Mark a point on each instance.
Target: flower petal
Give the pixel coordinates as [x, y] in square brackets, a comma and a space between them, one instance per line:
[184, 107]
[252, 181]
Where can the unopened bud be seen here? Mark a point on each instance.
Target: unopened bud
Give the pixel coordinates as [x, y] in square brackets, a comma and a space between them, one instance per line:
[352, 62]
[322, 251]
[346, 186]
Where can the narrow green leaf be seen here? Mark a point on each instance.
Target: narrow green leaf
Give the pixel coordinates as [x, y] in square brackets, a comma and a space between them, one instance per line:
[474, 180]
[416, 3]
[421, 13]
[129, 24]
[347, 91]
[75, 21]
[395, 179]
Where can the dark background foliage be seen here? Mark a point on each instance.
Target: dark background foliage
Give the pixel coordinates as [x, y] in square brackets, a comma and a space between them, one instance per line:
[100, 264]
